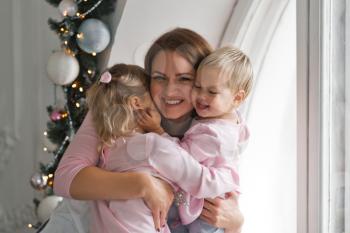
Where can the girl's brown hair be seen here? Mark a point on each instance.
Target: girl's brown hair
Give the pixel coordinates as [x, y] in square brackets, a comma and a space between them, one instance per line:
[187, 43]
[109, 103]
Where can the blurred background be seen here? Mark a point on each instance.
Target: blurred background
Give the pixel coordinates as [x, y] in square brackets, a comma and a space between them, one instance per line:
[39, 110]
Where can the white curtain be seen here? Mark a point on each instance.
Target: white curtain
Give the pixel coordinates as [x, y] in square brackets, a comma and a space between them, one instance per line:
[268, 167]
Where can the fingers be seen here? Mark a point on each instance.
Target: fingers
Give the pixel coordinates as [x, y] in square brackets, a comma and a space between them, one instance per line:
[210, 209]
[162, 218]
[214, 201]
[156, 219]
[141, 117]
[207, 216]
[233, 196]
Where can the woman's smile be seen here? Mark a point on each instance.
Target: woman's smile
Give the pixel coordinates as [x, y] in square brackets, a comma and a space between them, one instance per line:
[171, 85]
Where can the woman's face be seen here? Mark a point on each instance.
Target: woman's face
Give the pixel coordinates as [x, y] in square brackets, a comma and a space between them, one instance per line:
[172, 78]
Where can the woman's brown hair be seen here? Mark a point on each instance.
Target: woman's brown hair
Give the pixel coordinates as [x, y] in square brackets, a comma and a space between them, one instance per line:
[185, 42]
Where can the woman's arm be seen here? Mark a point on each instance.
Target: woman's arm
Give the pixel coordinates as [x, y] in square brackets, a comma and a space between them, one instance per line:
[77, 176]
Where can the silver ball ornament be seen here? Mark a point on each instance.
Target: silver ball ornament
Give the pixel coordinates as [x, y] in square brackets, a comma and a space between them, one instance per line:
[38, 181]
[93, 36]
[62, 68]
[68, 7]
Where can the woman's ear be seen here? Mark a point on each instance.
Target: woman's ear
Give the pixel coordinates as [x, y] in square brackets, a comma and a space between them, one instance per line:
[238, 98]
[136, 103]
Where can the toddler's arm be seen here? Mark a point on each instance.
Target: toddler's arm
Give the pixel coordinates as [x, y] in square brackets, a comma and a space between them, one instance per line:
[176, 165]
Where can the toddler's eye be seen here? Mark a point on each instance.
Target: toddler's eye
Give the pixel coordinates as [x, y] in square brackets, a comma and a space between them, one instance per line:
[196, 86]
[213, 92]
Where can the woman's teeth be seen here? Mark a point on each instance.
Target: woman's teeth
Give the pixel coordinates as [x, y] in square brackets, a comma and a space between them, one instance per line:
[172, 101]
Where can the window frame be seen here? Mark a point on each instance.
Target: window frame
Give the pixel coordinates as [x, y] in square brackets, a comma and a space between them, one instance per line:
[310, 162]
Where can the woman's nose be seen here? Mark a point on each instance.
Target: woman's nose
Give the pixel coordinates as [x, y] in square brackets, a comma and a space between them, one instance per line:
[171, 89]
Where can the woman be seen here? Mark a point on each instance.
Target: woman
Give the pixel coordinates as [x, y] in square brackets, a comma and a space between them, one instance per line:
[171, 61]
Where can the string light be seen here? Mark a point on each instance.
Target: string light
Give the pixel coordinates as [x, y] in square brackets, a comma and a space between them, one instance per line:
[45, 133]
[45, 149]
[69, 52]
[30, 225]
[62, 29]
[64, 115]
[81, 89]
[89, 71]
[81, 16]
[80, 35]
[74, 85]
[77, 105]
[65, 42]
[50, 175]
[93, 54]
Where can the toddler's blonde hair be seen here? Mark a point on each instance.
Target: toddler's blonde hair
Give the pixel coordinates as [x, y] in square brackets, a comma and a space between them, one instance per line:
[234, 64]
[109, 103]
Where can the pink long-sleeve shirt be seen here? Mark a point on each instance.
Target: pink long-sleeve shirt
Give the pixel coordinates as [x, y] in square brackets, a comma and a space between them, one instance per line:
[215, 143]
[149, 152]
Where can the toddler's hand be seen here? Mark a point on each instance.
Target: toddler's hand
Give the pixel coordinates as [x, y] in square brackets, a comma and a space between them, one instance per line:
[149, 120]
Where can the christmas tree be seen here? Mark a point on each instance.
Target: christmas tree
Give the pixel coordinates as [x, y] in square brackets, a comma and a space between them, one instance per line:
[73, 68]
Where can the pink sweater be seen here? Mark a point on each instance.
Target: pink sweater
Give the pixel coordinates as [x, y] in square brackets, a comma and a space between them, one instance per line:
[148, 152]
[215, 143]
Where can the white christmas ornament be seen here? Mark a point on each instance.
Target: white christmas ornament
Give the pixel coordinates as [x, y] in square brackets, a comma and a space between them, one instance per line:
[93, 36]
[46, 206]
[62, 68]
[68, 7]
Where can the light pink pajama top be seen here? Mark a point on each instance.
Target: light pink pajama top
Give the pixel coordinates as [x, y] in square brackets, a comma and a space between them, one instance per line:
[215, 143]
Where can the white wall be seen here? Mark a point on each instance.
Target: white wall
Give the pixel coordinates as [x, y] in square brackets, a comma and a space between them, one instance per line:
[143, 21]
[25, 44]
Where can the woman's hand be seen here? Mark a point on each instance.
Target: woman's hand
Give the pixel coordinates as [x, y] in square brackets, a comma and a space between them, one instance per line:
[223, 213]
[158, 197]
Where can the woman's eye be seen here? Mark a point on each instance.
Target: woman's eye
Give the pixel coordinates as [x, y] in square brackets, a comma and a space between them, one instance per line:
[158, 78]
[186, 79]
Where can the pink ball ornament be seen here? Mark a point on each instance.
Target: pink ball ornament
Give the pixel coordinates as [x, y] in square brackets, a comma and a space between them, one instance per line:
[55, 116]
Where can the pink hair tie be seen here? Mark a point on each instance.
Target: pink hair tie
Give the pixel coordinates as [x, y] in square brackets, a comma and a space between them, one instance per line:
[106, 77]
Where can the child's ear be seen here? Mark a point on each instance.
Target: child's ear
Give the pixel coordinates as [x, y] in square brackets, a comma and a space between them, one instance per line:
[136, 103]
[238, 98]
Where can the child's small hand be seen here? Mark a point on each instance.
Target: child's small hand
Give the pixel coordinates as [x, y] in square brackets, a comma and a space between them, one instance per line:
[149, 120]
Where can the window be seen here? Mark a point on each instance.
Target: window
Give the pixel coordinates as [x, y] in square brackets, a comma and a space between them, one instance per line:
[268, 167]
